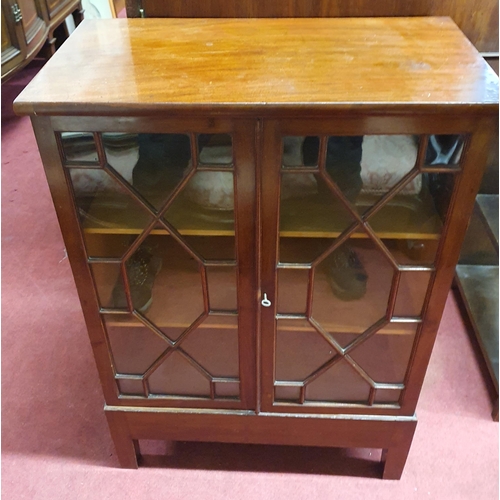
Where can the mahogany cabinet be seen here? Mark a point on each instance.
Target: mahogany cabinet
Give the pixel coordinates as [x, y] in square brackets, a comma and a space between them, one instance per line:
[263, 229]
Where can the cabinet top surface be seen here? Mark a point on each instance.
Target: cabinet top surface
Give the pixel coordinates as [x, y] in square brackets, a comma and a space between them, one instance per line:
[122, 66]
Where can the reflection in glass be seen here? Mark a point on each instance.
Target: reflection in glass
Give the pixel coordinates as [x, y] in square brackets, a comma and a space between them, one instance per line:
[79, 147]
[300, 151]
[385, 160]
[215, 149]
[343, 164]
[351, 288]
[163, 161]
[353, 285]
[444, 149]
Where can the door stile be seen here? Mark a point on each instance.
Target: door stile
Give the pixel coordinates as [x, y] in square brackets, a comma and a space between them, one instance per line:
[244, 136]
[270, 195]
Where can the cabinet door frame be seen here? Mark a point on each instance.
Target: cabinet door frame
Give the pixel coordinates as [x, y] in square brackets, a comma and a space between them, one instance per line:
[243, 133]
[466, 184]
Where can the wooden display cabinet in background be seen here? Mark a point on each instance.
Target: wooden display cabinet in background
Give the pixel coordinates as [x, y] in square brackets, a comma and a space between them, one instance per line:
[28, 24]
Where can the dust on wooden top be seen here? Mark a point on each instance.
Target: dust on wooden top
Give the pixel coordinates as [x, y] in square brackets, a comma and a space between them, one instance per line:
[256, 65]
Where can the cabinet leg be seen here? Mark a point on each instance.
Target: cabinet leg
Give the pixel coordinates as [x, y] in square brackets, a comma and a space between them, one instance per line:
[127, 449]
[394, 458]
[51, 45]
[494, 413]
[78, 14]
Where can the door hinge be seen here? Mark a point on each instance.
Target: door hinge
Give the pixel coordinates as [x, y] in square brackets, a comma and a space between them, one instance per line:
[18, 16]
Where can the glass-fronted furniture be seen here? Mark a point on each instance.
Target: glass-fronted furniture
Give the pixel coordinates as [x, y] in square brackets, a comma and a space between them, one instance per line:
[262, 237]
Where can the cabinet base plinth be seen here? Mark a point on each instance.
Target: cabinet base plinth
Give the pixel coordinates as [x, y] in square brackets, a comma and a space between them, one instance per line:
[391, 434]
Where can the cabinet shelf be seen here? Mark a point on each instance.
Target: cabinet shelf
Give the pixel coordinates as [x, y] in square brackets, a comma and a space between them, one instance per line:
[188, 218]
[405, 217]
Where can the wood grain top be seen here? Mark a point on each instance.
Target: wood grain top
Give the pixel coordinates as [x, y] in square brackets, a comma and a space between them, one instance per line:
[262, 65]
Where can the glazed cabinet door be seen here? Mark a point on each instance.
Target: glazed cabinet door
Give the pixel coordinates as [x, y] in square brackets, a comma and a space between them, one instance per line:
[158, 218]
[355, 263]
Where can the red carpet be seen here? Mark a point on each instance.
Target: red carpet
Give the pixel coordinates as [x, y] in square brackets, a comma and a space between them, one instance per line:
[56, 442]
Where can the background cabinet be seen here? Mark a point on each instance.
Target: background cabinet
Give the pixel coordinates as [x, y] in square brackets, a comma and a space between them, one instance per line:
[269, 265]
[478, 20]
[27, 25]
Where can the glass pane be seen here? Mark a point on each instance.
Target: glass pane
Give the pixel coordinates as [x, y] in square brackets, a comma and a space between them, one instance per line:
[108, 284]
[215, 149]
[214, 345]
[163, 161]
[122, 153]
[300, 151]
[288, 393]
[343, 164]
[109, 216]
[292, 290]
[351, 288]
[302, 250]
[385, 160]
[130, 387]
[227, 389]
[222, 290]
[411, 222]
[213, 248]
[444, 150]
[104, 244]
[387, 396]
[340, 383]
[177, 376]
[411, 293]
[300, 350]
[205, 208]
[311, 212]
[134, 346]
[385, 355]
[165, 284]
[79, 147]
